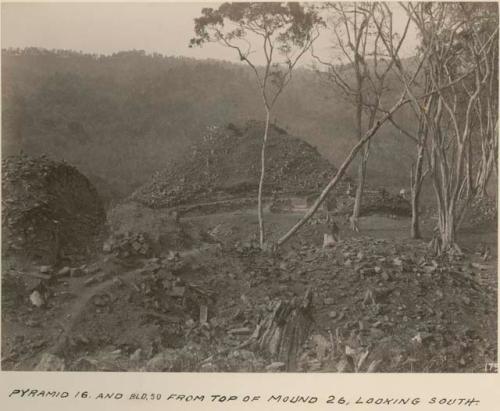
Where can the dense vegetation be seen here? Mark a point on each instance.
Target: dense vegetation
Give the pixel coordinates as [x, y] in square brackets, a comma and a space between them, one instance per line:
[121, 117]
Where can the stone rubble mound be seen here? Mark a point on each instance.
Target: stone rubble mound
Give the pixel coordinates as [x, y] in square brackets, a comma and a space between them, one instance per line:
[226, 164]
[50, 211]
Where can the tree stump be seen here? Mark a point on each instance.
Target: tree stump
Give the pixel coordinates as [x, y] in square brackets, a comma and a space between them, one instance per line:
[282, 333]
[329, 240]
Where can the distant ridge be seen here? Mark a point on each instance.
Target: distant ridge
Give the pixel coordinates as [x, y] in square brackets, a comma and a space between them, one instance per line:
[120, 117]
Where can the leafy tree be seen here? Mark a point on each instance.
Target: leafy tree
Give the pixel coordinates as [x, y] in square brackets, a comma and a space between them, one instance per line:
[281, 32]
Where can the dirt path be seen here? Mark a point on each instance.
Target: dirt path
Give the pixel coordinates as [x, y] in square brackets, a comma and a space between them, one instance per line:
[85, 294]
[58, 329]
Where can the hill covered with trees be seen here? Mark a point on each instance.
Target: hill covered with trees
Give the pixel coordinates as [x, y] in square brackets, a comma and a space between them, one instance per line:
[120, 118]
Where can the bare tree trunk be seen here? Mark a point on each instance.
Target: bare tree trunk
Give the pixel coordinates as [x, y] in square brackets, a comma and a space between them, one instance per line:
[445, 238]
[448, 233]
[361, 168]
[486, 168]
[415, 217]
[362, 164]
[446, 221]
[359, 189]
[261, 181]
[495, 145]
[416, 187]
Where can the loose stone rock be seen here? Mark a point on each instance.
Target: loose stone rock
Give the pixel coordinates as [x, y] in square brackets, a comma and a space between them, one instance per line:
[45, 269]
[50, 362]
[275, 366]
[37, 299]
[64, 272]
[332, 314]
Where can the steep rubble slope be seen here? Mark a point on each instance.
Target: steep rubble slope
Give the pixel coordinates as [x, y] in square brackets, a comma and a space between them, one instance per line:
[226, 164]
[49, 210]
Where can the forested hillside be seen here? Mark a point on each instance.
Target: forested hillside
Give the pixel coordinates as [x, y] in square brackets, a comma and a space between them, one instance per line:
[121, 117]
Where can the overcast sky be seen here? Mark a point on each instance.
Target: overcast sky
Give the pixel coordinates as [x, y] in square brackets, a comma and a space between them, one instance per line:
[106, 28]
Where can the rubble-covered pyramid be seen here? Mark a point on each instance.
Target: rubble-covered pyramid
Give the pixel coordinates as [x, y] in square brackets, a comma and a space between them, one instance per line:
[50, 210]
[226, 164]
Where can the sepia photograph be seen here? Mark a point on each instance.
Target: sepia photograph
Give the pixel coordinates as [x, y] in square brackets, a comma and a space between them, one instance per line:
[256, 187]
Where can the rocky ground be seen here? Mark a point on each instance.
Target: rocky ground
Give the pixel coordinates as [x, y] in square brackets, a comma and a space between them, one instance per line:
[380, 303]
[174, 281]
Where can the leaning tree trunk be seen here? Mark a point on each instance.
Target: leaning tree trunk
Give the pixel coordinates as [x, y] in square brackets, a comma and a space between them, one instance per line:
[284, 331]
[341, 171]
[261, 181]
